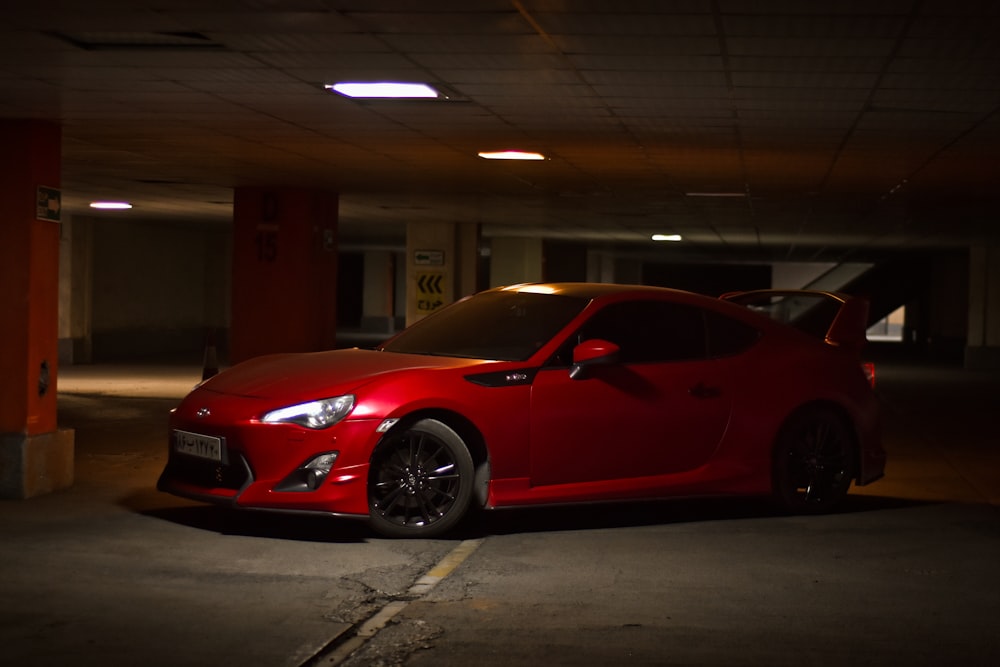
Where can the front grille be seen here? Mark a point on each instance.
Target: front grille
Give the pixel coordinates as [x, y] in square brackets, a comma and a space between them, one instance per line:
[210, 474]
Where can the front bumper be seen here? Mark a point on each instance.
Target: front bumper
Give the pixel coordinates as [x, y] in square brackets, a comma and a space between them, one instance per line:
[258, 459]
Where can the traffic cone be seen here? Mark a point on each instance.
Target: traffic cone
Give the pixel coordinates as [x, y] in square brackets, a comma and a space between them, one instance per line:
[211, 364]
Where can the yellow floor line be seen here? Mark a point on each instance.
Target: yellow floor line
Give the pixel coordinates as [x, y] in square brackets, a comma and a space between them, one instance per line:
[373, 625]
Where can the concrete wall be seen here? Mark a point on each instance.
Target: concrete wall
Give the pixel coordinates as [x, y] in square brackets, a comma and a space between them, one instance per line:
[515, 260]
[144, 290]
[75, 290]
[949, 301]
[983, 350]
[157, 288]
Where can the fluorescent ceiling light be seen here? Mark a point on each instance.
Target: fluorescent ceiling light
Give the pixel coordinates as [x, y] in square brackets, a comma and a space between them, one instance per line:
[511, 155]
[667, 237]
[384, 90]
[111, 205]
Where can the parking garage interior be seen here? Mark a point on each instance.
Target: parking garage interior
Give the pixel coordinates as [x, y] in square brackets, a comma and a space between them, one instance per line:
[841, 146]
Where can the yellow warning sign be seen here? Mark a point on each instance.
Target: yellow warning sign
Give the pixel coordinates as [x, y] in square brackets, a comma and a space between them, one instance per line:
[430, 291]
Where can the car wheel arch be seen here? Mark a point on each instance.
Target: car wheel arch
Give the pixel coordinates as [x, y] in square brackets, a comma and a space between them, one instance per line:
[470, 435]
[816, 409]
[822, 405]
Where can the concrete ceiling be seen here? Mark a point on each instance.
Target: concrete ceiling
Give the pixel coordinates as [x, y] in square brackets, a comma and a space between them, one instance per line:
[835, 127]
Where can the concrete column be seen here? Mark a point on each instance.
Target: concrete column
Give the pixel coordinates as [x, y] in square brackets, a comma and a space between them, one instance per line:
[467, 260]
[628, 271]
[600, 267]
[564, 262]
[983, 347]
[36, 456]
[378, 296]
[515, 260]
[75, 291]
[284, 296]
[606, 268]
[430, 268]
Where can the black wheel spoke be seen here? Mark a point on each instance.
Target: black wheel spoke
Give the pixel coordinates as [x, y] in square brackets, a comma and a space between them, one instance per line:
[416, 444]
[814, 473]
[389, 501]
[429, 511]
[419, 478]
[443, 473]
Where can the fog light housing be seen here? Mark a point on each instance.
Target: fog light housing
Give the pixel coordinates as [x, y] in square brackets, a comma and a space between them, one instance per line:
[318, 469]
[310, 475]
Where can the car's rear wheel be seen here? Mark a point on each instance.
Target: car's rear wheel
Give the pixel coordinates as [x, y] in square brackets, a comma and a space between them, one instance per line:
[813, 462]
[420, 481]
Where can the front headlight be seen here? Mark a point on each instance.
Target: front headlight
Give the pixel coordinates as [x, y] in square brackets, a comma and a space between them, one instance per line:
[315, 414]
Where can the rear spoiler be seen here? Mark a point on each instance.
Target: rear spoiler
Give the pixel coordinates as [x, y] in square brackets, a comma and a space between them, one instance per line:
[839, 319]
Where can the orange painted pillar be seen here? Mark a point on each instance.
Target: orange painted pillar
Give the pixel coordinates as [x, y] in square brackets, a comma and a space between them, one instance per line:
[35, 455]
[284, 275]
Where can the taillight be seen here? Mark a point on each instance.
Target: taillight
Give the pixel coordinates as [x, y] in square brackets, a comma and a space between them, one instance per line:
[869, 370]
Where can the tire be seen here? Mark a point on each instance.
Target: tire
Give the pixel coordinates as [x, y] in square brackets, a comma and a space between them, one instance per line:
[420, 481]
[813, 462]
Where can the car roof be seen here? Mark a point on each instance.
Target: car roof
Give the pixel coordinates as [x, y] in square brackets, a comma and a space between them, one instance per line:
[592, 290]
[612, 291]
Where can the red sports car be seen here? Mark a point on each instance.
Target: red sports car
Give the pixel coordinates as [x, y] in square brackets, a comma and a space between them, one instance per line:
[545, 393]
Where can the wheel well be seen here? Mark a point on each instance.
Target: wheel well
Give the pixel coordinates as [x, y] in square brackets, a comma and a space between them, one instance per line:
[838, 411]
[470, 435]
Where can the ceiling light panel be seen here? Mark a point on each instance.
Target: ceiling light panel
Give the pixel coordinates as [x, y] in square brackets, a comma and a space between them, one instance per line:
[384, 90]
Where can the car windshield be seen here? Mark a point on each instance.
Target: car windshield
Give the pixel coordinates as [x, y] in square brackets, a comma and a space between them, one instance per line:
[502, 325]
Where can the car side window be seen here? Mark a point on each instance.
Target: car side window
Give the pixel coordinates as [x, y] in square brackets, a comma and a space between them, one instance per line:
[728, 336]
[650, 331]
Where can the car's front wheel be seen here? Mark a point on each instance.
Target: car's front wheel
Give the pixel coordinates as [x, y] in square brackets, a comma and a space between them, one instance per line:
[813, 462]
[420, 481]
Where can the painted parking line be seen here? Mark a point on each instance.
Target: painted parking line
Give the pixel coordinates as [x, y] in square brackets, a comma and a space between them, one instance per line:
[444, 567]
[342, 648]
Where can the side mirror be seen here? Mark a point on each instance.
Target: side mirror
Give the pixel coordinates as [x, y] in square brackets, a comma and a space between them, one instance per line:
[590, 353]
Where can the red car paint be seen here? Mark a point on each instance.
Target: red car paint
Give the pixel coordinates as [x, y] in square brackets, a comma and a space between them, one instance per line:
[538, 421]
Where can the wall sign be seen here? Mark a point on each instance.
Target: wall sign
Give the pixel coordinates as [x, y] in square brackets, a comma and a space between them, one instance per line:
[49, 204]
[429, 257]
[430, 291]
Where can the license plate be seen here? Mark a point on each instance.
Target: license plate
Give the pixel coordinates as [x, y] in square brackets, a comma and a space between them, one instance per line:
[194, 444]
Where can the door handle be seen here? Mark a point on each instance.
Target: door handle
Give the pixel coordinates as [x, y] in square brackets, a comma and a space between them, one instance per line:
[701, 390]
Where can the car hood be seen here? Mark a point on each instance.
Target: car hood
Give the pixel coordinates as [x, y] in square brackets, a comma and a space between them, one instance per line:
[320, 374]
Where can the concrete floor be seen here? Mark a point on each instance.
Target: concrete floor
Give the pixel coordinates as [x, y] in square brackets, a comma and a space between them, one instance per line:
[110, 572]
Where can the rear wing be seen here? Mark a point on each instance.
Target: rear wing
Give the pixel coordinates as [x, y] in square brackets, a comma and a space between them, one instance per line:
[838, 319]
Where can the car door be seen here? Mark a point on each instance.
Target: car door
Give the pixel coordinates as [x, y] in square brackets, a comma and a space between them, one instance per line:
[661, 408]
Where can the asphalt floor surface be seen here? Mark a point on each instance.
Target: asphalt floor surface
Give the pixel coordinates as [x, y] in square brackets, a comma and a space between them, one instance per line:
[110, 572]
